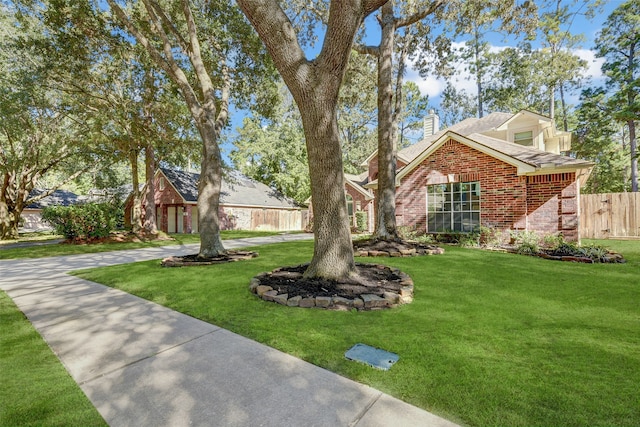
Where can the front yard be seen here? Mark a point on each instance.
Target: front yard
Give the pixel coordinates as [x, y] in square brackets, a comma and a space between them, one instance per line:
[490, 339]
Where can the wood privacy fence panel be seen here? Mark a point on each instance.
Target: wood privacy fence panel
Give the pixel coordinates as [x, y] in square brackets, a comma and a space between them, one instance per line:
[278, 220]
[610, 215]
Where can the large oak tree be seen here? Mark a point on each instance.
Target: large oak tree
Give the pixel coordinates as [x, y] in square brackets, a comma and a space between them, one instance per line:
[315, 86]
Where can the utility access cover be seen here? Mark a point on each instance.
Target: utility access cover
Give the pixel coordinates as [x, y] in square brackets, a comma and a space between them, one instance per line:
[372, 356]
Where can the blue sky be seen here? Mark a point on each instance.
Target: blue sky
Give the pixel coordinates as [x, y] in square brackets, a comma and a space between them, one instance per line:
[433, 86]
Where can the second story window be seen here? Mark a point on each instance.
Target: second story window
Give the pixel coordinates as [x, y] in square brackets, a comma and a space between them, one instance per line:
[524, 138]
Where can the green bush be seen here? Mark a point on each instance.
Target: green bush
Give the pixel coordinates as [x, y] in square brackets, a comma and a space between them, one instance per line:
[88, 221]
[361, 221]
[527, 242]
[410, 234]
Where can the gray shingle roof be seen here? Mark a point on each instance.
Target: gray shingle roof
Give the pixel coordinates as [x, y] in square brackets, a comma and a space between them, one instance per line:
[529, 155]
[57, 198]
[237, 189]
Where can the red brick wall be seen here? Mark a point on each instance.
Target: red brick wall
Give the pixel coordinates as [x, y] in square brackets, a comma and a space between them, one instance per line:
[506, 198]
[553, 204]
[502, 191]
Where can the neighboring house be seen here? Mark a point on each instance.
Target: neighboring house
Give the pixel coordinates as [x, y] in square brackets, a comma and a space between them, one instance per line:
[503, 171]
[245, 204]
[31, 218]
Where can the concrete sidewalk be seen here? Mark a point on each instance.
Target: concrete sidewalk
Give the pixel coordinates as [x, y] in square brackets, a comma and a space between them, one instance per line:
[142, 364]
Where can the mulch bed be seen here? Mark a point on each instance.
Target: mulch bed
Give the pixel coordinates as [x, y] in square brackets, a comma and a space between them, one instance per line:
[195, 260]
[370, 279]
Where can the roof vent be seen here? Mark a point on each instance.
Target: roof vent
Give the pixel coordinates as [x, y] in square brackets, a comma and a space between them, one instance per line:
[431, 124]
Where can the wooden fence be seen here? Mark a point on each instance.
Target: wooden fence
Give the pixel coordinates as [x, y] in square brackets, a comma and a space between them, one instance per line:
[278, 220]
[612, 215]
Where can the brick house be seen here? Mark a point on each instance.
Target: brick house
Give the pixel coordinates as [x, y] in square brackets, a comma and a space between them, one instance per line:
[245, 204]
[503, 171]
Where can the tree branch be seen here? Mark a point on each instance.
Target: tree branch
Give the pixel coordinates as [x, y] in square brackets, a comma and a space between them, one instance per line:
[168, 64]
[419, 15]
[367, 50]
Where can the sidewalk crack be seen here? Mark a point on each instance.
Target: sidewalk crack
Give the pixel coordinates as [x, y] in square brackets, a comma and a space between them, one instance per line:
[362, 413]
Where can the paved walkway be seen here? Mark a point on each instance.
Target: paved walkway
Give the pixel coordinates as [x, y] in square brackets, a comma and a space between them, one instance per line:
[142, 364]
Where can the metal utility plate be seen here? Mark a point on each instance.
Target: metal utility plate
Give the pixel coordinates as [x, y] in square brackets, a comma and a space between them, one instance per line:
[372, 356]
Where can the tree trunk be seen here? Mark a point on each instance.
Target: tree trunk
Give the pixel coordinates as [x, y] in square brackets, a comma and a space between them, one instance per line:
[8, 226]
[478, 71]
[385, 228]
[136, 214]
[565, 120]
[209, 191]
[631, 99]
[15, 191]
[552, 103]
[150, 221]
[333, 249]
[633, 148]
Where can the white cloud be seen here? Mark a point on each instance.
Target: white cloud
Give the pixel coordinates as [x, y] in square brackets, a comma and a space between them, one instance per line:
[463, 80]
[594, 65]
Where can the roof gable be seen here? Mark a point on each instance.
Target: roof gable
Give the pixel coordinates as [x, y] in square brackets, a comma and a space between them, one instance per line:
[358, 182]
[528, 161]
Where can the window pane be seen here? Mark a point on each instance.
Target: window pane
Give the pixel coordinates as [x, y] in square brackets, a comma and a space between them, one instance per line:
[431, 226]
[457, 222]
[523, 138]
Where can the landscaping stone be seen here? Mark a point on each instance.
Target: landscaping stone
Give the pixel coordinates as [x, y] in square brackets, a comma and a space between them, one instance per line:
[255, 282]
[269, 295]
[342, 301]
[261, 289]
[323, 302]
[307, 302]
[373, 301]
[392, 297]
[281, 299]
[294, 301]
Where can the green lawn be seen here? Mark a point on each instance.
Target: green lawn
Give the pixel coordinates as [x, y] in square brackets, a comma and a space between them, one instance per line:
[490, 339]
[35, 388]
[67, 249]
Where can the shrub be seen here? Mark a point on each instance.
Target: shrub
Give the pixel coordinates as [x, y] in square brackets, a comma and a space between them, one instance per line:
[527, 242]
[469, 240]
[552, 241]
[410, 234]
[596, 253]
[88, 221]
[490, 236]
[361, 221]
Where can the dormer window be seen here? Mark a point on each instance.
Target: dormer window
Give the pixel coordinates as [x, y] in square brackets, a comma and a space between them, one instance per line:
[524, 138]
